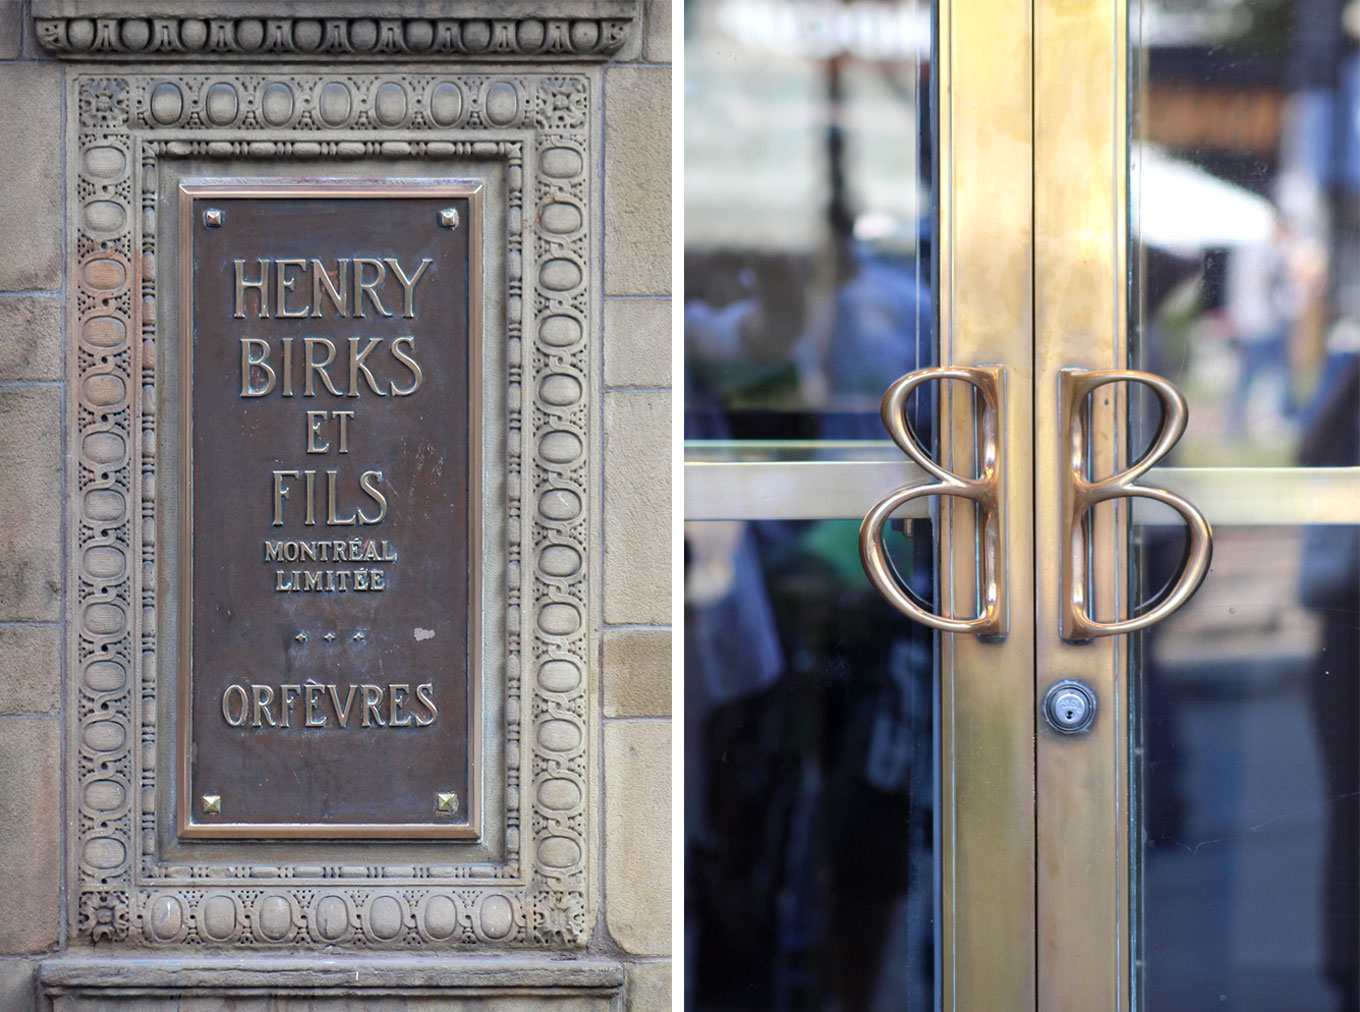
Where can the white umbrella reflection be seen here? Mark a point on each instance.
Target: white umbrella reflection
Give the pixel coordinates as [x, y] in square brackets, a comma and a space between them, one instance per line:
[1183, 209]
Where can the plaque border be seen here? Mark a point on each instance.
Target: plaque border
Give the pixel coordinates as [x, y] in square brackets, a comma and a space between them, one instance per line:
[542, 128]
[281, 188]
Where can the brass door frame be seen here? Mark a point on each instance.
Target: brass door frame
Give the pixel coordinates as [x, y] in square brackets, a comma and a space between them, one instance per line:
[1080, 319]
[985, 295]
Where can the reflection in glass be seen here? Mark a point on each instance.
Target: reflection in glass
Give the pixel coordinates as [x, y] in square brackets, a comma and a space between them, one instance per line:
[1245, 177]
[1246, 181]
[809, 703]
[1250, 751]
[807, 214]
[808, 772]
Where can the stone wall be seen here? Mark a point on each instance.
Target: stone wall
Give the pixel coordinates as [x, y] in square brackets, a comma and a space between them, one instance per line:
[625, 959]
[636, 516]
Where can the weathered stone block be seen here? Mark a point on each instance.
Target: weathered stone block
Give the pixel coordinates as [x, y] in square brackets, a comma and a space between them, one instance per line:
[30, 669]
[631, 50]
[637, 342]
[30, 164]
[334, 982]
[30, 337]
[649, 987]
[637, 673]
[656, 43]
[30, 826]
[18, 988]
[30, 502]
[637, 185]
[12, 25]
[330, 1003]
[334, 1003]
[637, 867]
[637, 508]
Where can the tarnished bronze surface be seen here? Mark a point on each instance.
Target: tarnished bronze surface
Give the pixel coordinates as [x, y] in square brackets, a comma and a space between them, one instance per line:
[331, 538]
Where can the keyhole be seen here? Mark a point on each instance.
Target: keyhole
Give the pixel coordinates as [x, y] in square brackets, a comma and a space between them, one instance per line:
[1070, 706]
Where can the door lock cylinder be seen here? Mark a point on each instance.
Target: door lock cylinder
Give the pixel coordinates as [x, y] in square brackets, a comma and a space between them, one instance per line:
[1070, 706]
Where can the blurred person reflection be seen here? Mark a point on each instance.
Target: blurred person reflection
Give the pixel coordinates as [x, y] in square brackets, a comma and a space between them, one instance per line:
[1330, 586]
[1265, 298]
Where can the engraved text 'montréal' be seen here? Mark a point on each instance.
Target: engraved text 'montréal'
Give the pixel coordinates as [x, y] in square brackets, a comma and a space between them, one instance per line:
[329, 579]
[353, 550]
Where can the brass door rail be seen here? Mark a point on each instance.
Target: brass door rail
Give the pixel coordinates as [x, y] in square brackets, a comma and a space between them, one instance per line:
[838, 489]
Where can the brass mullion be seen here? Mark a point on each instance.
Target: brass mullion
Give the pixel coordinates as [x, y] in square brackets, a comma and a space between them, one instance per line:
[985, 299]
[1080, 322]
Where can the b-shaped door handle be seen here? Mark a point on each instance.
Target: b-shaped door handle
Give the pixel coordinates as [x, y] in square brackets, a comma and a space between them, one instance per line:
[987, 490]
[1079, 494]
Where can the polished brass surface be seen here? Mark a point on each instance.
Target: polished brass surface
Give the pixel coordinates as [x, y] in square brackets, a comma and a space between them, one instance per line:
[988, 490]
[331, 615]
[985, 295]
[212, 804]
[1081, 276]
[1080, 494]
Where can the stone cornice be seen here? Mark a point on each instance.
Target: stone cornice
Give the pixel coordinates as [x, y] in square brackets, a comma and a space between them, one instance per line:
[535, 30]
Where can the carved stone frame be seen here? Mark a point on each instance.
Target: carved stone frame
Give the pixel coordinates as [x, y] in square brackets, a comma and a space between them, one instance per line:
[536, 892]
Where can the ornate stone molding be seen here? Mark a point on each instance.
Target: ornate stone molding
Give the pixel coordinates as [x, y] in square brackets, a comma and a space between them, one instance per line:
[500, 29]
[538, 127]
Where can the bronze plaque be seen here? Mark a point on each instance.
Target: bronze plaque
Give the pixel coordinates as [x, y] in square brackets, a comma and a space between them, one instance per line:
[331, 544]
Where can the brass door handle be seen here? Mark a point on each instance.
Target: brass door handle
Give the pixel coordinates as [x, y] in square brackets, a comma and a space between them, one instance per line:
[987, 490]
[1079, 494]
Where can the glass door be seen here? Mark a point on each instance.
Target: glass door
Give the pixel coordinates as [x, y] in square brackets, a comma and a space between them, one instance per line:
[1197, 174]
[859, 786]
[1016, 742]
